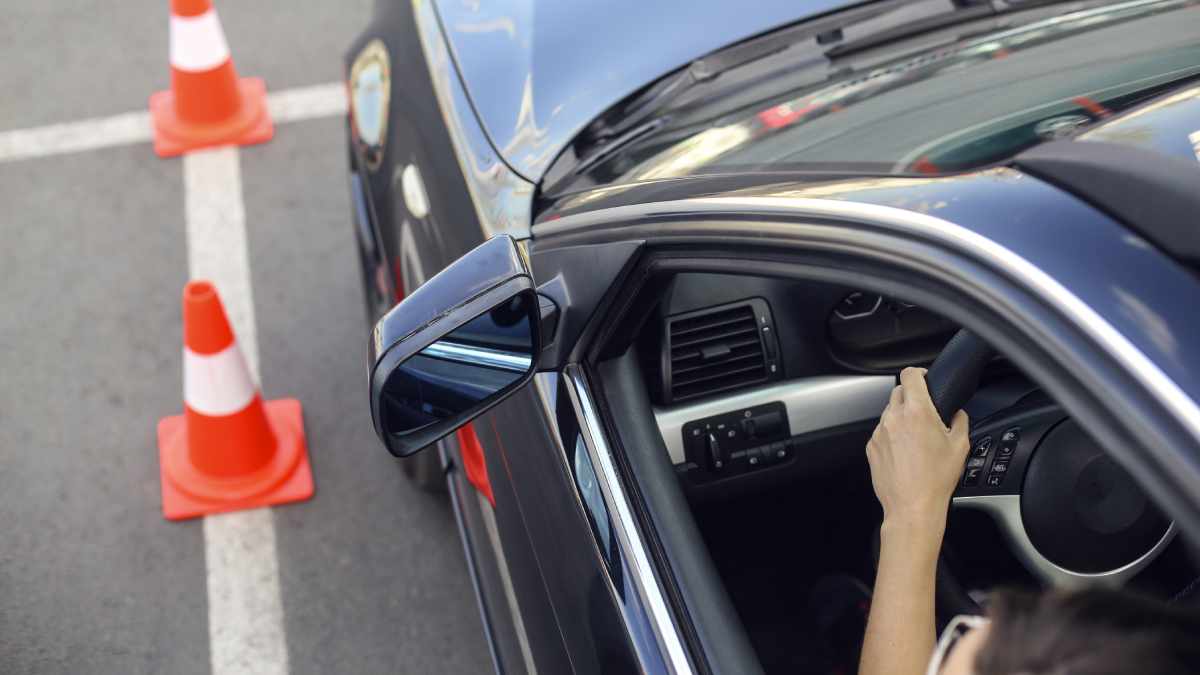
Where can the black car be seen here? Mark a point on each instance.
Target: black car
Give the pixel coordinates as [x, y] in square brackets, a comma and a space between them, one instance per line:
[654, 292]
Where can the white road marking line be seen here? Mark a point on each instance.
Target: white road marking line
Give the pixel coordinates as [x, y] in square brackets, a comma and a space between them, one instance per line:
[245, 607]
[245, 613]
[92, 134]
[288, 105]
[216, 238]
[305, 103]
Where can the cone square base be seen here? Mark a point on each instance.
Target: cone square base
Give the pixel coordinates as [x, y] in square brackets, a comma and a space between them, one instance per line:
[178, 504]
[252, 124]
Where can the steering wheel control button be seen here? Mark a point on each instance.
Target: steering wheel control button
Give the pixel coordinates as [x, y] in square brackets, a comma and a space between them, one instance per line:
[976, 463]
[1000, 466]
[982, 447]
[1008, 441]
[995, 479]
[971, 477]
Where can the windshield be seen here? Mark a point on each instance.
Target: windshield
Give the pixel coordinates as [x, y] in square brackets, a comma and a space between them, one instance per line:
[964, 98]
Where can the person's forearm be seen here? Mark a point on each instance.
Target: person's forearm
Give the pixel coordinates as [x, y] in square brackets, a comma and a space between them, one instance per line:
[900, 633]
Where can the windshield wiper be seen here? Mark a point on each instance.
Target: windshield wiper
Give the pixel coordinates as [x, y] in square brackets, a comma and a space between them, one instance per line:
[607, 133]
[641, 114]
[966, 13]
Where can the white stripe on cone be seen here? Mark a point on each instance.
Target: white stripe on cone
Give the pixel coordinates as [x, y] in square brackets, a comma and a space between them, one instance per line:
[217, 384]
[197, 42]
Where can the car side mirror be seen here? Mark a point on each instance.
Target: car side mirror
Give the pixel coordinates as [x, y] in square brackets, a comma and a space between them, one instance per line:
[461, 343]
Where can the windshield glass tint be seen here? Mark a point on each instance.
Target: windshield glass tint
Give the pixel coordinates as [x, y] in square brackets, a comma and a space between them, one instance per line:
[942, 106]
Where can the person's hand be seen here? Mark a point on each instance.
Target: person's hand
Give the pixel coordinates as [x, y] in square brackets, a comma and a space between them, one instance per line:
[916, 462]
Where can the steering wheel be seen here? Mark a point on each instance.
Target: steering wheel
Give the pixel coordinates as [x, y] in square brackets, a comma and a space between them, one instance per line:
[1072, 515]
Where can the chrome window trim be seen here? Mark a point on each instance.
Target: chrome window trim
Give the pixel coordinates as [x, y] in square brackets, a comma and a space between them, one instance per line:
[629, 537]
[478, 356]
[1006, 510]
[616, 566]
[812, 404]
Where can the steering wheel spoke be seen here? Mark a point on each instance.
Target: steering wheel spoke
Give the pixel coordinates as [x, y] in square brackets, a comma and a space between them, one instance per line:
[1010, 443]
[1006, 510]
[1070, 512]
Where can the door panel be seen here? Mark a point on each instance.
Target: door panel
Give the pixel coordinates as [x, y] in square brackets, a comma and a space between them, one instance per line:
[504, 625]
[559, 580]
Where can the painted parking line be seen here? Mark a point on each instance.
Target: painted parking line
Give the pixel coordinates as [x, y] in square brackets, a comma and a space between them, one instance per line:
[288, 105]
[245, 611]
[245, 608]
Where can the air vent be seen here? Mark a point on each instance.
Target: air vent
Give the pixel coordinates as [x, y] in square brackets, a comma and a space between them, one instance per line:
[719, 349]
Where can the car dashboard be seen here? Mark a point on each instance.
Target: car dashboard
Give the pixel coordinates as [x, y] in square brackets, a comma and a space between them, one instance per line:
[759, 380]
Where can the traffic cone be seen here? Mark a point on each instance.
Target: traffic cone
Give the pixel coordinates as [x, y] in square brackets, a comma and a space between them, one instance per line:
[207, 104]
[229, 450]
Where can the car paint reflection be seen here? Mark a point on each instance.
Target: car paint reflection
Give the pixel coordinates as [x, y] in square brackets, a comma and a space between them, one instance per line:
[791, 131]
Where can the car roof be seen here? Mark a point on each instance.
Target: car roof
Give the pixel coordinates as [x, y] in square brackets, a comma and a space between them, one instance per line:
[538, 72]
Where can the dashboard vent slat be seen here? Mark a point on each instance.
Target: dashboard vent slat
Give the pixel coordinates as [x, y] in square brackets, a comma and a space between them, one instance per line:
[716, 350]
[715, 335]
[695, 364]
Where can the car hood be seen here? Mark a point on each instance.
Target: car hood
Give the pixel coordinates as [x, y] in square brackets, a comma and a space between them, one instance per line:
[1170, 125]
[537, 73]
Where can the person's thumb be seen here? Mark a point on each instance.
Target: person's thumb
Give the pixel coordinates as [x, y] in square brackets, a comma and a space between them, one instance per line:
[959, 431]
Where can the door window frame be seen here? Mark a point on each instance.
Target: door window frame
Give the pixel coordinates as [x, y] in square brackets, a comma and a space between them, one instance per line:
[942, 266]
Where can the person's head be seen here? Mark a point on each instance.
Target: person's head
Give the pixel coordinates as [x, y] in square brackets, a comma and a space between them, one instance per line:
[1091, 632]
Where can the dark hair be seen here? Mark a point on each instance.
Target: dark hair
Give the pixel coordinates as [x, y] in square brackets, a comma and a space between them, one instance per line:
[1089, 632]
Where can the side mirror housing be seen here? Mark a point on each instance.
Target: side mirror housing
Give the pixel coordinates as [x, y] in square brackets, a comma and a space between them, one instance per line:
[461, 343]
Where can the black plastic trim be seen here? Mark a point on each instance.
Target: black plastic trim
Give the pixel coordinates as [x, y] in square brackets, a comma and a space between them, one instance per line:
[697, 588]
[472, 567]
[576, 279]
[1152, 194]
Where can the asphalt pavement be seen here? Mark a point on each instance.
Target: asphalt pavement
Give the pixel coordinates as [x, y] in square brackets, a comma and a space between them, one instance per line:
[92, 262]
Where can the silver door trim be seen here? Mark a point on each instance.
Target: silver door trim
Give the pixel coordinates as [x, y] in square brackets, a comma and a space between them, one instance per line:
[629, 537]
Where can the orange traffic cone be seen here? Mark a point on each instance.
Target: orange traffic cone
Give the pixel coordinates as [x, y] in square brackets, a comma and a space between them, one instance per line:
[228, 450]
[207, 104]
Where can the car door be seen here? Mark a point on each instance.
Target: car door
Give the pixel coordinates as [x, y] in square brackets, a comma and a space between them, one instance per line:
[548, 599]
[606, 570]
[990, 257]
[565, 579]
